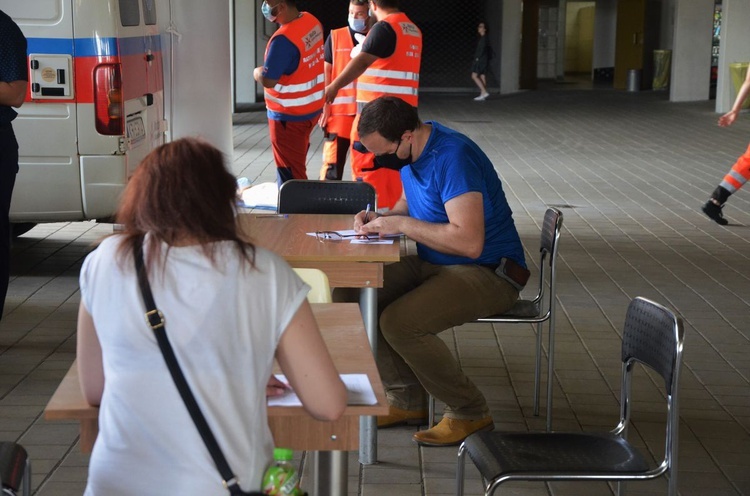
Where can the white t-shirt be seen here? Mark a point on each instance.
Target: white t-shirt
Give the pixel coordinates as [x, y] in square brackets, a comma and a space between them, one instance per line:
[224, 322]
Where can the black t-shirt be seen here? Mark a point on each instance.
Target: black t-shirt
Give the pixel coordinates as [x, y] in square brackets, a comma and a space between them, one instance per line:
[328, 55]
[380, 41]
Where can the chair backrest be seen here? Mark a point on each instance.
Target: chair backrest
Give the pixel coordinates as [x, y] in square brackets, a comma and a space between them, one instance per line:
[14, 467]
[653, 335]
[551, 227]
[299, 196]
[320, 290]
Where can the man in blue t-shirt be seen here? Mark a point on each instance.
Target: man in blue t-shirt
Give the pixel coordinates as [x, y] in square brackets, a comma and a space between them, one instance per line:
[470, 264]
[13, 83]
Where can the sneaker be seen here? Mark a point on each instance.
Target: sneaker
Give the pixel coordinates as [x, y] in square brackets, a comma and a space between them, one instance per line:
[714, 213]
[482, 97]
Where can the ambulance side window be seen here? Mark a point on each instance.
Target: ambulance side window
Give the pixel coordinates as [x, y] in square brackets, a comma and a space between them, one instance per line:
[130, 15]
[149, 12]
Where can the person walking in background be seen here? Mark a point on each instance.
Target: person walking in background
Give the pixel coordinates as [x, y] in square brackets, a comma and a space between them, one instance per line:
[341, 45]
[388, 64]
[481, 62]
[740, 171]
[293, 82]
[230, 308]
[13, 83]
[469, 264]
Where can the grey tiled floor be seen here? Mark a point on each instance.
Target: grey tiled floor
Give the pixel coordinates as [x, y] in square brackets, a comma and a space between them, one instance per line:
[630, 172]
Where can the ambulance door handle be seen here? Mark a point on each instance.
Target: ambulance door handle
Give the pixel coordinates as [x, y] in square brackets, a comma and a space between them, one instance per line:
[149, 99]
[150, 57]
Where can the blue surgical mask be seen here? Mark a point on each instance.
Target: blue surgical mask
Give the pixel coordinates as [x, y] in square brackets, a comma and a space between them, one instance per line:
[268, 11]
[358, 25]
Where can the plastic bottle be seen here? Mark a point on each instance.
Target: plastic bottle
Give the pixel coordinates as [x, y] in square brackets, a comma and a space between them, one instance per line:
[281, 477]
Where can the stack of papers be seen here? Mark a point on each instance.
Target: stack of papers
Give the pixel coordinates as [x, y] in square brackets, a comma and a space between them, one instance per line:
[363, 239]
[358, 388]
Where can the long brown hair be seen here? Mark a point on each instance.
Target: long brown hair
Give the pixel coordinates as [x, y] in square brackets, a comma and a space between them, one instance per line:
[181, 191]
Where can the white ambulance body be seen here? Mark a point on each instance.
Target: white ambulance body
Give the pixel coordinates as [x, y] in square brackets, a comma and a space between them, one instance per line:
[94, 108]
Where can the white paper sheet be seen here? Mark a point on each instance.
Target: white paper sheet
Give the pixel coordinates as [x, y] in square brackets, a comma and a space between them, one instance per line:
[358, 387]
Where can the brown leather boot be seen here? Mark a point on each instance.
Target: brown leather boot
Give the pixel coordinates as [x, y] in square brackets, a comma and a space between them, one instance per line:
[398, 416]
[450, 432]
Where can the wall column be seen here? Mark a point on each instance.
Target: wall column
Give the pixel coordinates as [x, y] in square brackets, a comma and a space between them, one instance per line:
[510, 56]
[735, 47]
[690, 79]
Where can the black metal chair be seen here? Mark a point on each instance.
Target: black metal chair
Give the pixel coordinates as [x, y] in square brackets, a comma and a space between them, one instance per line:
[15, 469]
[535, 311]
[299, 196]
[652, 336]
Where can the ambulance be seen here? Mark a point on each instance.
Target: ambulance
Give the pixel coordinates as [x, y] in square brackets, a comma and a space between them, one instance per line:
[94, 107]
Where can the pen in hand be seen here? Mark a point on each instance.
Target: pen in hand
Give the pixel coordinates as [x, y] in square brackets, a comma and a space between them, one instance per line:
[367, 214]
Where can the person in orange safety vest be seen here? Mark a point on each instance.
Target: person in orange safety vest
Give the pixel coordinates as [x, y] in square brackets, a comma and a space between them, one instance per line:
[293, 81]
[388, 64]
[740, 171]
[337, 118]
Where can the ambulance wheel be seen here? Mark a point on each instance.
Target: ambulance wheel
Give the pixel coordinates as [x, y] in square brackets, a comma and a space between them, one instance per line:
[21, 228]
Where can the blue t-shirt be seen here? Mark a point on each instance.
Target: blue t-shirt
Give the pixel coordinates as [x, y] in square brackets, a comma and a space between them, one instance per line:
[282, 59]
[12, 60]
[450, 165]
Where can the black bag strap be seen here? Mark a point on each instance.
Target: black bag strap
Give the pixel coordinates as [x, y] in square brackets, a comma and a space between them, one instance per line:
[156, 321]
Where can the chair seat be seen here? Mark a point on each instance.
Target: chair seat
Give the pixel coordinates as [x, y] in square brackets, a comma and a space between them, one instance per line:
[521, 309]
[497, 454]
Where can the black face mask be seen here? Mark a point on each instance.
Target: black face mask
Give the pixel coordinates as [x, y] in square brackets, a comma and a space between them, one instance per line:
[391, 160]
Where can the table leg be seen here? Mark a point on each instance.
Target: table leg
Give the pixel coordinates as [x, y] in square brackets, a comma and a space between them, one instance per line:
[330, 473]
[368, 426]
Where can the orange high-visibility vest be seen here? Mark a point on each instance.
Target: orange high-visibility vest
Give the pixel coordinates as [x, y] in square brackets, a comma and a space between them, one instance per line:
[301, 92]
[341, 44]
[397, 75]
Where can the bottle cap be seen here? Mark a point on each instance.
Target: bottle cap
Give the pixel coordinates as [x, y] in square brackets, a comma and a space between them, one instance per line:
[282, 454]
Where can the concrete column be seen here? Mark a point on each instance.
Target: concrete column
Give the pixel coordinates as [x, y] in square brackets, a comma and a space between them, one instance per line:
[691, 56]
[510, 57]
[735, 47]
[605, 27]
[562, 11]
[198, 71]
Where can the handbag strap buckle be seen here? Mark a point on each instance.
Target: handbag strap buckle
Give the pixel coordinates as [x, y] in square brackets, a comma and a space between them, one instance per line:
[155, 319]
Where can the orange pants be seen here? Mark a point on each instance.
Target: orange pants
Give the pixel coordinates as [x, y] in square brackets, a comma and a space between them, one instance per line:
[387, 182]
[335, 146]
[739, 174]
[289, 142]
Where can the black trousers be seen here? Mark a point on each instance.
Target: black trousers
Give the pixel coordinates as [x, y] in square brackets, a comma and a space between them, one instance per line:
[8, 170]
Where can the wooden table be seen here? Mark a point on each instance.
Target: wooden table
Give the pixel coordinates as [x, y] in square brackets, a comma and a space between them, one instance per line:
[343, 331]
[347, 266]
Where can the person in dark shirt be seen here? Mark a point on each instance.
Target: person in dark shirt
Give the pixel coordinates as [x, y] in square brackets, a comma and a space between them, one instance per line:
[13, 82]
[481, 62]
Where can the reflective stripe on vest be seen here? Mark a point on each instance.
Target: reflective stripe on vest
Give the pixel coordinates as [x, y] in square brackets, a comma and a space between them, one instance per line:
[301, 92]
[296, 88]
[345, 102]
[397, 75]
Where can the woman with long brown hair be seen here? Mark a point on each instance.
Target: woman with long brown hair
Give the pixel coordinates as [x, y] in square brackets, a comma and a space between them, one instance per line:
[229, 309]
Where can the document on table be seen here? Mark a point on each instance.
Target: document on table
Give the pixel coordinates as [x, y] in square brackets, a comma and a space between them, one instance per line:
[358, 388]
[362, 239]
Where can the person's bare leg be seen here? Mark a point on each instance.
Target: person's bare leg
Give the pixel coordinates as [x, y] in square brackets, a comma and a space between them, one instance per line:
[481, 84]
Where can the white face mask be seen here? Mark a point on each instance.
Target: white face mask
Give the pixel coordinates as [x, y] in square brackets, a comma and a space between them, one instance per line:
[358, 25]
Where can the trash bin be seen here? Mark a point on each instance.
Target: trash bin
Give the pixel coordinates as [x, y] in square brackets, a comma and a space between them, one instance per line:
[662, 66]
[634, 80]
[738, 70]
